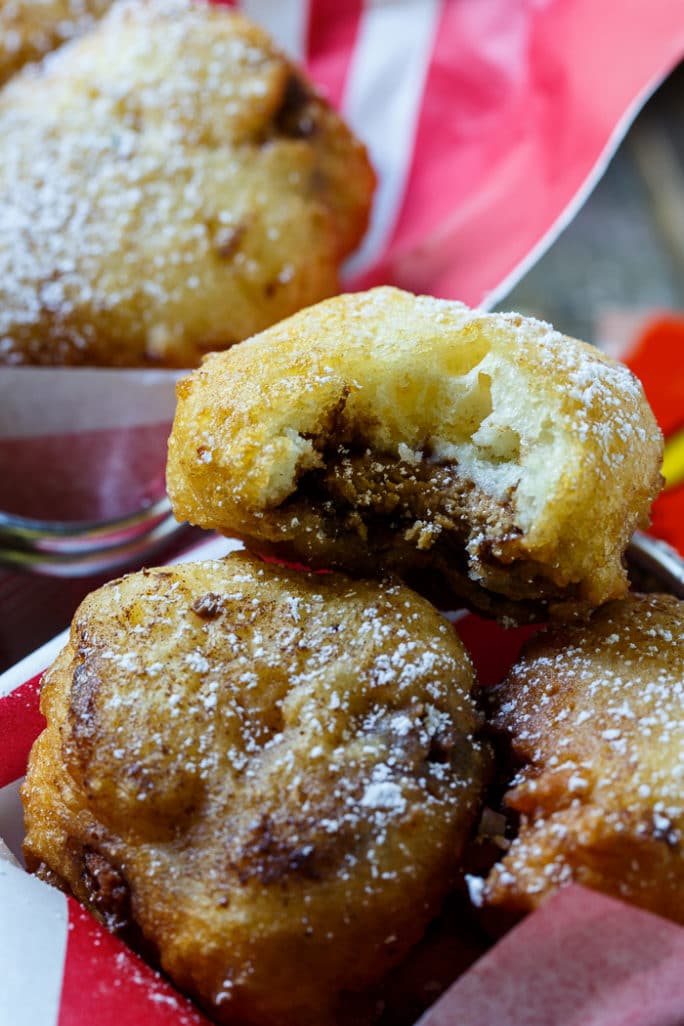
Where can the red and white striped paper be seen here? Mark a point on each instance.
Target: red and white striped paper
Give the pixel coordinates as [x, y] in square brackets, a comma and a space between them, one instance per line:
[488, 121]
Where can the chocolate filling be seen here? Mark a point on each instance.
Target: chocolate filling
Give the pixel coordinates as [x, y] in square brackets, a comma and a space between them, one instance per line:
[106, 890]
[366, 512]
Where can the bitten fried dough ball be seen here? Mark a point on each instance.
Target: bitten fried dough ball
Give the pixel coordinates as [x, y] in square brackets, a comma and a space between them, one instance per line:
[595, 716]
[31, 28]
[170, 184]
[388, 431]
[265, 777]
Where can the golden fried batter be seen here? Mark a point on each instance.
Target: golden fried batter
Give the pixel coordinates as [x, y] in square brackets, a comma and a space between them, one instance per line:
[596, 716]
[384, 430]
[265, 777]
[31, 28]
[169, 184]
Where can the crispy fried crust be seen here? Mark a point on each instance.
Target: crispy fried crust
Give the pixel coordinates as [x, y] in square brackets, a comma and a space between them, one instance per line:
[30, 29]
[384, 430]
[170, 184]
[596, 717]
[266, 777]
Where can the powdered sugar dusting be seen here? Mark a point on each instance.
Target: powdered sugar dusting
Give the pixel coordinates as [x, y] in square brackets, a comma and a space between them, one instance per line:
[31, 28]
[604, 396]
[347, 703]
[597, 717]
[270, 758]
[144, 167]
[387, 427]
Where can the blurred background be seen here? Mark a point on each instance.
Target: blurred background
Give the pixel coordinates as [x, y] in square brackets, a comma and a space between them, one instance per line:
[622, 257]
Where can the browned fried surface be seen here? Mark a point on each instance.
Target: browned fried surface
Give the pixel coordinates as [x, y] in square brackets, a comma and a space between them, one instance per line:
[382, 430]
[265, 776]
[596, 717]
[31, 28]
[450, 946]
[169, 184]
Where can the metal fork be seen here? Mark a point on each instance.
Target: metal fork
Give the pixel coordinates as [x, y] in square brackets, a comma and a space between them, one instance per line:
[658, 562]
[79, 550]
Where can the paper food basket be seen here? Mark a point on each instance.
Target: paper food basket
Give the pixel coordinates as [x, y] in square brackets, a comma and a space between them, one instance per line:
[488, 123]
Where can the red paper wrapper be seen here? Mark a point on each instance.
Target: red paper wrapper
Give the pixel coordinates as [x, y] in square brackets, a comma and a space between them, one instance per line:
[581, 960]
[81, 444]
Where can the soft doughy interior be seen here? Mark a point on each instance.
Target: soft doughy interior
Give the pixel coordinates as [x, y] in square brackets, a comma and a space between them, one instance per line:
[472, 488]
[384, 430]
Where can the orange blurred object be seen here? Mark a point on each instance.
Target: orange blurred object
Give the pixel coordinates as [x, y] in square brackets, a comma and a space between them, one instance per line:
[657, 359]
